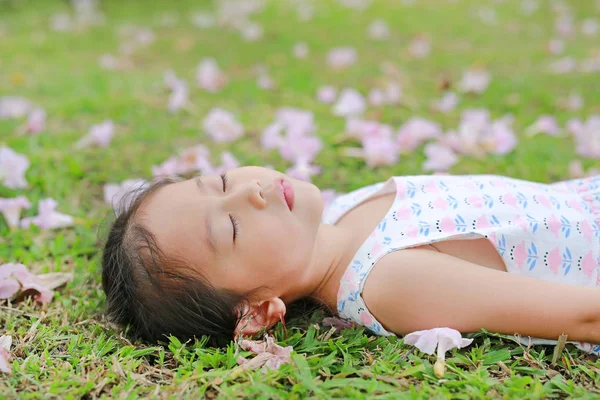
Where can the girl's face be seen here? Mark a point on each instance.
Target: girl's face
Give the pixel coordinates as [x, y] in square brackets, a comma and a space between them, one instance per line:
[241, 235]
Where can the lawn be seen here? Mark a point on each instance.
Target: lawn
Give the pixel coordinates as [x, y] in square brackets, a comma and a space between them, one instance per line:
[83, 72]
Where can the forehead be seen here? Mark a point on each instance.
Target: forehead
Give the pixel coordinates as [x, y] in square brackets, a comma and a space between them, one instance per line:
[175, 214]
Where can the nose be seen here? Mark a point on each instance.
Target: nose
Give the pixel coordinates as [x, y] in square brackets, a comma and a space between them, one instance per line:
[252, 192]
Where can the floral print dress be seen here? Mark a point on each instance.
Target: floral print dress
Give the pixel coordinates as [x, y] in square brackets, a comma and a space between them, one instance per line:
[547, 231]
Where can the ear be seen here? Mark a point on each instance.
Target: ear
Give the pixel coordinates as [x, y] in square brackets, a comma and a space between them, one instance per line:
[263, 314]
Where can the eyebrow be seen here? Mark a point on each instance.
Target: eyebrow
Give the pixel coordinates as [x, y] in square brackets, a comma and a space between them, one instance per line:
[210, 237]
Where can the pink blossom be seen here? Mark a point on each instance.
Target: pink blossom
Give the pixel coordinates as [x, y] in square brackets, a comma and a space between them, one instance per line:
[341, 57]
[298, 147]
[376, 97]
[474, 81]
[338, 323]
[415, 131]
[99, 135]
[209, 76]
[303, 170]
[36, 122]
[167, 168]
[61, 22]
[12, 168]
[590, 27]
[273, 355]
[475, 116]
[444, 339]
[419, 46]
[305, 11]
[503, 139]
[391, 94]
[563, 65]
[360, 128]
[292, 135]
[564, 25]
[47, 217]
[439, 157]
[379, 151]
[14, 107]
[5, 343]
[556, 46]
[378, 30]
[222, 126]
[192, 159]
[544, 124]
[326, 94]
[203, 20]
[300, 50]
[264, 80]
[179, 91]
[350, 103]
[11, 209]
[576, 169]
[487, 15]
[271, 137]
[251, 31]
[528, 7]
[15, 277]
[109, 61]
[587, 137]
[228, 161]
[296, 120]
[114, 192]
[572, 102]
[590, 64]
[447, 103]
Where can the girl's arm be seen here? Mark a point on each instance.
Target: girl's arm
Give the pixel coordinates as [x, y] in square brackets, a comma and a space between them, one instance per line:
[415, 289]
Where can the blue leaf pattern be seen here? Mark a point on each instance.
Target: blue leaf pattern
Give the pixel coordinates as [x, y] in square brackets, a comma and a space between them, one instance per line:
[532, 256]
[533, 224]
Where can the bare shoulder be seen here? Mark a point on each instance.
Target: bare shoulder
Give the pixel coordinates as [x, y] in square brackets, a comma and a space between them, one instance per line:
[420, 288]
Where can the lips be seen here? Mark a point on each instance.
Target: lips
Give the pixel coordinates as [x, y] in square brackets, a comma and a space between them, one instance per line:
[288, 193]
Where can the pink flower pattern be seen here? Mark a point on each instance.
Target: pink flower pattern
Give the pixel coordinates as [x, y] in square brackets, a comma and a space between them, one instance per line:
[547, 231]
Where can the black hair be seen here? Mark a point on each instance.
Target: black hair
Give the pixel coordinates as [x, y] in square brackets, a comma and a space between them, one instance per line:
[154, 294]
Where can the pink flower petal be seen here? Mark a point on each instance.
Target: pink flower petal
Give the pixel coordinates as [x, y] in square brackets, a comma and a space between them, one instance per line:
[439, 157]
[350, 103]
[14, 107]
[8, 287]
[341, 57]
[222, 126]
[11, 209]
[474, 81]
[379, 151]
[47, 217]
[544, 124]
[300, 50]
[378, 30]
[444, 339]
[419, 46]
[209, 76]
[99, 135]
[36, 122]
[12, 168]
[5, 343]
[326, 94]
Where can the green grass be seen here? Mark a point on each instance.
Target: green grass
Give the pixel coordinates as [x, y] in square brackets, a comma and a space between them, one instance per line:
[68, 350]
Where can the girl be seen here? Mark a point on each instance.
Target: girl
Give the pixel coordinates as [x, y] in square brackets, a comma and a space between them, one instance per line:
[225, 255]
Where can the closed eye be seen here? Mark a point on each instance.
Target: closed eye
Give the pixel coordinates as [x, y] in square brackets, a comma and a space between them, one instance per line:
[224, 179]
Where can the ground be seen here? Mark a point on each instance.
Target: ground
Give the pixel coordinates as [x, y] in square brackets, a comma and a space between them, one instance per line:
[67, 349]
